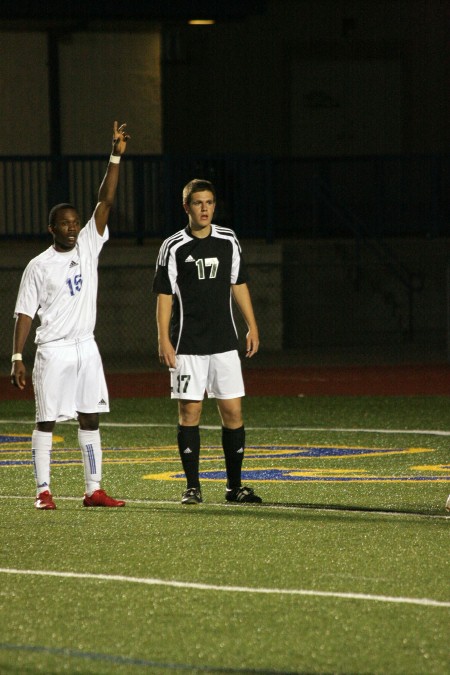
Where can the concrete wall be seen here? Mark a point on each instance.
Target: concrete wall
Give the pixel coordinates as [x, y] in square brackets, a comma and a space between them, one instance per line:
[103, 77]
[325, 77]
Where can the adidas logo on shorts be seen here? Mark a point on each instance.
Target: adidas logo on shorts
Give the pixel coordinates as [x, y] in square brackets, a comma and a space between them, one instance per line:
[102, 402]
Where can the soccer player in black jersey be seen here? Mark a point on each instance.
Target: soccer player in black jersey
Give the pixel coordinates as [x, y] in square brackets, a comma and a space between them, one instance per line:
[199, 272]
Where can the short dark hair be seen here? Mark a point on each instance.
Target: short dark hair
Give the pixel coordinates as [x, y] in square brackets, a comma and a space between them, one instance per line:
[197, 185]
[54, 210]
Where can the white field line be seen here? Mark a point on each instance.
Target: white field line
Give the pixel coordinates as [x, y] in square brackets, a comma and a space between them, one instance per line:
[422, 432]
[259, 507]
[427, 602]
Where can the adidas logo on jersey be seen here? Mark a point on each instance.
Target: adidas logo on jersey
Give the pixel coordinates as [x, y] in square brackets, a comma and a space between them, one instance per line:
[73, 264]
[189, 259]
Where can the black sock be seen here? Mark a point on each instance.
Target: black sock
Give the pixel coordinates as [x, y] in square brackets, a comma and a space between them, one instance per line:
[189, 449]
[233, 442]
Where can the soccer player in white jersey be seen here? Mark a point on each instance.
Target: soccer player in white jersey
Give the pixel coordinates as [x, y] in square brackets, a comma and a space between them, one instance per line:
[199, 272]
[60, 285]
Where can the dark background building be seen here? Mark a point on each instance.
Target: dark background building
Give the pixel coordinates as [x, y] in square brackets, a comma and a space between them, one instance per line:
[324, 124]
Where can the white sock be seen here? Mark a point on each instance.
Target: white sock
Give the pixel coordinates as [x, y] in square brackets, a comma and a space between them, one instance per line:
[91, 450]
[41, 448]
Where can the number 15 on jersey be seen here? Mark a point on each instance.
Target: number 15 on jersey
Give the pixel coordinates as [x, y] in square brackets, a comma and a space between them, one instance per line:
[75, 284]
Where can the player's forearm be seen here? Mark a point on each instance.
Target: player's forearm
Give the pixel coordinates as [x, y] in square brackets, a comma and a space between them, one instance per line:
[242, 297]
[243, 300]
[106, 196]
[163, 316]
[21, 331]
[108, 186]
[166, 351]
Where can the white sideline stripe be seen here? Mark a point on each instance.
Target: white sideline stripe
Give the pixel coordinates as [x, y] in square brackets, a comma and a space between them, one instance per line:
[228, 589]
[422, 432]
[259, 507]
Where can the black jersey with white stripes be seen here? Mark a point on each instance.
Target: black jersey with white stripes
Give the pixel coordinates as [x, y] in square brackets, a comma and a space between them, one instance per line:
[199, 273]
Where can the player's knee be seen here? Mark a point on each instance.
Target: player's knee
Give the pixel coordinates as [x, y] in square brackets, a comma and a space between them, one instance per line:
[189, 413]
[45, 426]
[232, 421]
[230, 414]
[88, 421]
[189, 420]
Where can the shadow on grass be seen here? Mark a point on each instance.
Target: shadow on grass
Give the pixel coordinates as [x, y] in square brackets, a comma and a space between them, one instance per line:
[274, 509]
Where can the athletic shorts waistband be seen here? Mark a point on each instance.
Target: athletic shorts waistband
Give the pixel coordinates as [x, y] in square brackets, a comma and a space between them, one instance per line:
[66, 342]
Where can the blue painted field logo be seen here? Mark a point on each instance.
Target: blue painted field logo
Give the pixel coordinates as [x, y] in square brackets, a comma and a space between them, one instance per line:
[12, 444]
[440, 473]
[5, 439]
[322, 451]
[262, 457]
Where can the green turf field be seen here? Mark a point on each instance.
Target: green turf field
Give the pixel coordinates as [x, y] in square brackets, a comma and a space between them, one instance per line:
[343, 569]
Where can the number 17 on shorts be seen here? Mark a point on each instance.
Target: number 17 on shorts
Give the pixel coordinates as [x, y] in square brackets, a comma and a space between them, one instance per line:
[219, 375]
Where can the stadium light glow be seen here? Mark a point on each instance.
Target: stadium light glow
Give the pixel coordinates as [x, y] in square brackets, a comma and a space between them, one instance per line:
[201, 22]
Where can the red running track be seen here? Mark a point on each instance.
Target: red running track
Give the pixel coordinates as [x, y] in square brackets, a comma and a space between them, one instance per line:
[401, 380]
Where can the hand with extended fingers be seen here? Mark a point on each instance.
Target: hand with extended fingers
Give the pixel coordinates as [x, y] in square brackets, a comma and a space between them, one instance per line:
[120, 138]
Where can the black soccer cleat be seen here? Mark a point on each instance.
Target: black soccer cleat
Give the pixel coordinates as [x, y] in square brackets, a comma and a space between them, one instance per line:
[242, 495]
[192, 496]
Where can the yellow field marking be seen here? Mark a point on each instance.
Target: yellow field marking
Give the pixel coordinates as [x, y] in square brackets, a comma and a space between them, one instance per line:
[327, 472]
[432, 467]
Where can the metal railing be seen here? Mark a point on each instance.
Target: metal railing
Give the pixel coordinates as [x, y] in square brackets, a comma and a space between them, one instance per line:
[260, 197]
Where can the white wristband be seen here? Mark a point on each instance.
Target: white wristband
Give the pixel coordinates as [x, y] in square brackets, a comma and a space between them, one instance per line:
[16, 357]
[114, 159]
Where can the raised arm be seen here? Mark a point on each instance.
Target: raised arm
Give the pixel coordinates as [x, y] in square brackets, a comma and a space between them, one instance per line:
[107, 190]
[243, 300]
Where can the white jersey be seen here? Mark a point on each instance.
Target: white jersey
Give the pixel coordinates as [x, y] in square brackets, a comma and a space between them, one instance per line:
[62, 288]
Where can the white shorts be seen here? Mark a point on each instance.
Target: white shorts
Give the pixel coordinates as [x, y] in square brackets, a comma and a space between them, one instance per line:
[220, 375]
[68, 378]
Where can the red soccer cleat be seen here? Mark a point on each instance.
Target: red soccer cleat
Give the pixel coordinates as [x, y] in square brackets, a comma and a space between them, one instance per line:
[100, 498]
[44, 502]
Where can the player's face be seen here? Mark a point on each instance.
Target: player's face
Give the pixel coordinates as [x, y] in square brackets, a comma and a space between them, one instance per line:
[200, 210]
[66, 229]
